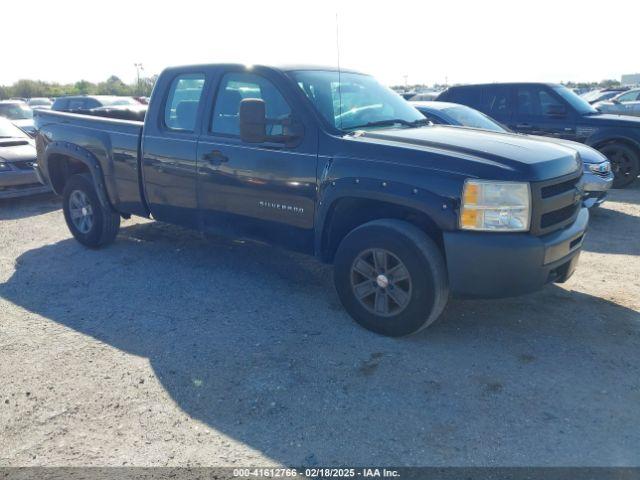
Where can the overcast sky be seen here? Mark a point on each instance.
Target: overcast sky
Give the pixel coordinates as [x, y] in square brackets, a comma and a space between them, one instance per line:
[462, 41]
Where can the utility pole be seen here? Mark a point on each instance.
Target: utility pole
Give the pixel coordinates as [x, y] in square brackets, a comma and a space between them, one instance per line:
[406, 81]
[139, 68]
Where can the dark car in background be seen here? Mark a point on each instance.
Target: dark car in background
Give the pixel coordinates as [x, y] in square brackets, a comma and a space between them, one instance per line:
[87, 102]
[552, 110]
[19, 113]
[17, 163]
[597, 178]
[122, 112]
[40, 103]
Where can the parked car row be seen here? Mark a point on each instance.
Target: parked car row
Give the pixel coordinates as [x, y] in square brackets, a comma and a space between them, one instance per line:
[17, 160]
[17, 150]
[597, 179]
[624, 103]
[553, 110]
[19, 113]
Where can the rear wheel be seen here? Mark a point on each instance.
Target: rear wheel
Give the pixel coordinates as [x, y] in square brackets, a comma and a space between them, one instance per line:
[391, 277]
[625, 163]
[91, 224]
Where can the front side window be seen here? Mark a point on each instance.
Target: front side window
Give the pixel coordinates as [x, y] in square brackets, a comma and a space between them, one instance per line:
[535, 101]
[351, 100]
[181, 109]
[628, 97]
[236, 87]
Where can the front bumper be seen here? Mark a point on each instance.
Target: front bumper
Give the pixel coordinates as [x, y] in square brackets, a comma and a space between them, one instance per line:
[17, 182]
[595, 188]
[595, 183]
[494, 265]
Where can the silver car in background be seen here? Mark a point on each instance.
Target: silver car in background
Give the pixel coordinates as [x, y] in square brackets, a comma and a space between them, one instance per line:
[17, 163]
[625, 103]
[20, 114]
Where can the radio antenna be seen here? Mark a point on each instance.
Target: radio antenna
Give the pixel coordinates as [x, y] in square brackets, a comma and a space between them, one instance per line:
[339, 74]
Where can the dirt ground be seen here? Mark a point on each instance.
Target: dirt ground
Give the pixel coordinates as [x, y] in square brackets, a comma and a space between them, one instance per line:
[170, 349]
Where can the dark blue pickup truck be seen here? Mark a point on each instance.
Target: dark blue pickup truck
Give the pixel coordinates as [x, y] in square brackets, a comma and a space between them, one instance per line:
[555, 111]
[334, 165]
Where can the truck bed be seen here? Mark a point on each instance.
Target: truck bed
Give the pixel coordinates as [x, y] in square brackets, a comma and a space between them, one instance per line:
[114, 143]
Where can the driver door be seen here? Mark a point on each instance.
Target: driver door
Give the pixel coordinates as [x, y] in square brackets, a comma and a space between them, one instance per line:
[264, 191]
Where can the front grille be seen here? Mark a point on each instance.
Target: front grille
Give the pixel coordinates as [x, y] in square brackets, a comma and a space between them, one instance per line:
[558, 188]
[24, 165]
[556, 203]
[557, 216]
[601, 174]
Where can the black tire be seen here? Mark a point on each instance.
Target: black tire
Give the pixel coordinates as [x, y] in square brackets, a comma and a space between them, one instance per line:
[625, 163]
[104, 222]
[425, 293]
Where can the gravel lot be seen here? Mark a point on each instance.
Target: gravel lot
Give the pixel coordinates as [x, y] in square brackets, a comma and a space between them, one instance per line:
[170, 349]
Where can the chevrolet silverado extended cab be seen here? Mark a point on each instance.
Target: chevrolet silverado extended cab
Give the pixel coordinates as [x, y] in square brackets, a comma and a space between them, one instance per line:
[333, 164]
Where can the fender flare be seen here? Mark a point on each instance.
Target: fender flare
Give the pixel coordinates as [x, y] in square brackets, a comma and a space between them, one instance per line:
[82, 155]
[402, 195]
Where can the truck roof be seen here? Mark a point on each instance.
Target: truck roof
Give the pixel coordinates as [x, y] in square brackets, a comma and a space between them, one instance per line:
[514, 84]
[284, 68]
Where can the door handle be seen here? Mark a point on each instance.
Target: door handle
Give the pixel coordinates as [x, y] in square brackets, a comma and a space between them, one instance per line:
[524, 125]
[216, 157]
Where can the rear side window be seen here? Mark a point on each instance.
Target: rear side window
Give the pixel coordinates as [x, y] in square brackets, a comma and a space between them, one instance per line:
[76, 104]
[181, 109]
[465, 96]
[60, 104]
[497, 101]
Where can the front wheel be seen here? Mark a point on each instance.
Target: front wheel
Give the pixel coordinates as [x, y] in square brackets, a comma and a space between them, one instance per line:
[625, 163]
[91, 223]
[391, 277]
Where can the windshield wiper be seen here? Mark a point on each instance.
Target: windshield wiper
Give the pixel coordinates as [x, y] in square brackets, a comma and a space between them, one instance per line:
[391, 122]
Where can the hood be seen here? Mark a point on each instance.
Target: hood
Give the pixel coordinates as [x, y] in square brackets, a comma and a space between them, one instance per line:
[16, 150]
[23, 123]
[517, 156]
[611, 120]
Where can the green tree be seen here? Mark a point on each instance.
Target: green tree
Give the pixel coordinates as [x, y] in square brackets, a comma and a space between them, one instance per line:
[113, 86]
[84, 87]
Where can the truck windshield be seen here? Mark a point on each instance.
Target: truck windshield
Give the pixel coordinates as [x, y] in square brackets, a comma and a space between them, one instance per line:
[469, 117]
[578, 103]
[351, 101]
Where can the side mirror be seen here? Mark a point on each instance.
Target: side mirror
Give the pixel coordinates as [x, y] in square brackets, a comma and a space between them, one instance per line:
[253, 125]
[556, 111]
[253, 120]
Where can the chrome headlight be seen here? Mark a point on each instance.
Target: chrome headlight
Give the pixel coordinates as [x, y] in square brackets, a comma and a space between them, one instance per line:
[601, 168]
[495, 206]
